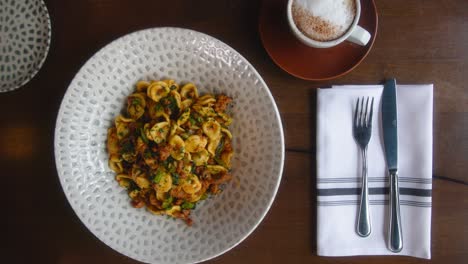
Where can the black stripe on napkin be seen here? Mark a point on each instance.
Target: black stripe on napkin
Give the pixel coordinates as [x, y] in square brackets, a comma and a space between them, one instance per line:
[374, 179]
[373, 191]
[373, 202]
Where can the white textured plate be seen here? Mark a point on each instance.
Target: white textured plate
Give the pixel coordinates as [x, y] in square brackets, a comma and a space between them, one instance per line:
[24, 41]
[95, 97]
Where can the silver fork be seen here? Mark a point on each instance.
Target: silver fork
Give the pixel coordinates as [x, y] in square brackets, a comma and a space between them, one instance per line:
[362, 130]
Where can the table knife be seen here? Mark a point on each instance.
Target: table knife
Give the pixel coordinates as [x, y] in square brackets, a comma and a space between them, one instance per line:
[390, 136]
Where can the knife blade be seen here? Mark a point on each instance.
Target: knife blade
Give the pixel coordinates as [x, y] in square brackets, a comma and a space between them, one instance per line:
[390, 136]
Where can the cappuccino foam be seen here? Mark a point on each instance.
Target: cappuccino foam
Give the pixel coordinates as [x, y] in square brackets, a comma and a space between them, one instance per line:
[323, 20]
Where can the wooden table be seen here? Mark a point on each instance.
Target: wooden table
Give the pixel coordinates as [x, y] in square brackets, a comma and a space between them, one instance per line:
[419, 41]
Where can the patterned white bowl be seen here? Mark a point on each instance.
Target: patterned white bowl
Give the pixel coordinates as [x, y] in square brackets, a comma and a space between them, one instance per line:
[95, 97]
[25, 34]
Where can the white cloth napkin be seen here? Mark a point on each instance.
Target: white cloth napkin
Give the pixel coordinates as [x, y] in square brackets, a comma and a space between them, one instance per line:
[339, 172]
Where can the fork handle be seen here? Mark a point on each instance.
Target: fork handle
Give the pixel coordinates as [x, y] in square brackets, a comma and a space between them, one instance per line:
[395, 238]
[363, 226]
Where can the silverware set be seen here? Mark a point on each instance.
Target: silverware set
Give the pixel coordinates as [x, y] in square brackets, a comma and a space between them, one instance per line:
[362, 131]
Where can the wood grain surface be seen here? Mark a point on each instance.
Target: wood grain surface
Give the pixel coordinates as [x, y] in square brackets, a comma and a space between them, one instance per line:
[419, 41]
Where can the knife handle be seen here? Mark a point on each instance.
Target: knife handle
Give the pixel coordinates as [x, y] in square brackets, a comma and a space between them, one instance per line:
[395, 238]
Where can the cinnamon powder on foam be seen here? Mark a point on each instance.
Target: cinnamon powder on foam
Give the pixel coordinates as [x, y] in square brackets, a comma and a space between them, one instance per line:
[315, 27]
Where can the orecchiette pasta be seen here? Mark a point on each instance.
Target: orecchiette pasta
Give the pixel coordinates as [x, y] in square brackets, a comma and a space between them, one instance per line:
[172, 147]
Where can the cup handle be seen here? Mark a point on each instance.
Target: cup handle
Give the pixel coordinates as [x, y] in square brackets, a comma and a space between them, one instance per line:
[359, 36]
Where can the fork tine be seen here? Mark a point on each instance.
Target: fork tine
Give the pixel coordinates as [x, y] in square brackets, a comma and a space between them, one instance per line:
[361, 115]
[356, 113]
[366, 111]
[371, 112]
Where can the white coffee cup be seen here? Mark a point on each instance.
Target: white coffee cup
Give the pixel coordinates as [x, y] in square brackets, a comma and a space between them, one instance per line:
[355, 33]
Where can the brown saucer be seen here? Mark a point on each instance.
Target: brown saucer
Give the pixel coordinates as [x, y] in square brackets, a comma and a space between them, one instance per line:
[306, 62]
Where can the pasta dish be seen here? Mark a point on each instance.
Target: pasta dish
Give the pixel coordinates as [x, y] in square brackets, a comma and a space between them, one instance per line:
[171, 147]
